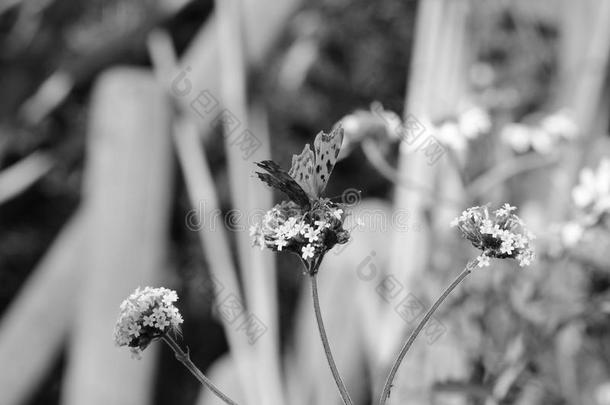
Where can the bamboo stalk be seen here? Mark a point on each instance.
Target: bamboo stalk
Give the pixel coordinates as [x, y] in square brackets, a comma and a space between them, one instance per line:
[127, 194]
[248, 195]
[21, 175]
[427, 31]
[203, 197]
[163, 56]
[55, 89]
[262, 298]
[434, 89]
[8, 4]
[202, 56]
[584, 62]
[34, 327]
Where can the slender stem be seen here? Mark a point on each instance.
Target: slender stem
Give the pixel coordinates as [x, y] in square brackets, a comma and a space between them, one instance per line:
[185, 359]
[377, 159]
[405, 348]
[329, 356]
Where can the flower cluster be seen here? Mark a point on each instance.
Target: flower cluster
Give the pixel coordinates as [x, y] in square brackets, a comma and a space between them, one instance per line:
[454, 132]
[541, 137]
[592, 194]
[501, 234]
[591, 199]
[147, 314]
[308, 233]
[467, 126]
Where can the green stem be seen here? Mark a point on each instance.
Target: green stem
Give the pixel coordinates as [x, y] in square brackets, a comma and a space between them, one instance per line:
[329, 356]
[184, 358]
[405, 348]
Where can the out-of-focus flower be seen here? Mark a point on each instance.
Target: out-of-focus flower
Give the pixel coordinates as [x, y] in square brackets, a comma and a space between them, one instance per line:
[571, 233]
[587, 230]
[500, 234]
[541, 141]
[146, 315]
[592, 195]
[474, 122]
[517, 136]
[542, 137]
[455, 132]
[449, 134]
[391, 121]
[560, 125]
[308, 233]
[379, 124]
[602, 394]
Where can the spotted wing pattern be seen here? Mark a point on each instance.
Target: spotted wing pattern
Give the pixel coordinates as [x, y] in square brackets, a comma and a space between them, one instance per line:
[302, 171]
[279, 179]
[327, 148]
[310, 170]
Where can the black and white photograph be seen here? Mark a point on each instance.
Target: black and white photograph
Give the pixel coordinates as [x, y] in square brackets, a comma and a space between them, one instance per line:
[325, 202]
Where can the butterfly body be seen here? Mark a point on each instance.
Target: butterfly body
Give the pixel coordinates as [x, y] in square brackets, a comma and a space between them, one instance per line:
[310, 171]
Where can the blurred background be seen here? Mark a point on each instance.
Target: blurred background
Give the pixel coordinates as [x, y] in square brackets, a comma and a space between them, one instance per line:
[128, 132]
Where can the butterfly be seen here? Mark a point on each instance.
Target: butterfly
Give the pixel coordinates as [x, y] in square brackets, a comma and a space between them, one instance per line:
[310, 171]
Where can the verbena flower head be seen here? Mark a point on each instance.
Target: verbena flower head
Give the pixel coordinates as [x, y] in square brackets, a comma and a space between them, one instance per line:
[308, 224]
[308, 233]
[146, 315]
[500, 234]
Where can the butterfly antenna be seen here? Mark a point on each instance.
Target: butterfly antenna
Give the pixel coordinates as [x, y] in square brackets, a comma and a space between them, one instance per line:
[352, 196]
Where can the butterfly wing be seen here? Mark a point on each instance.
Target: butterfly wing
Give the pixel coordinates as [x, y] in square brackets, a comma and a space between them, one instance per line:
[327, 147]
[302, 171]
[309, 172]
[279, 179]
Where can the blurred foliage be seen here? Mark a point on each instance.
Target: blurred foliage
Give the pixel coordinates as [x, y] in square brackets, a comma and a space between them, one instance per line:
[362, 55]
[335, 56]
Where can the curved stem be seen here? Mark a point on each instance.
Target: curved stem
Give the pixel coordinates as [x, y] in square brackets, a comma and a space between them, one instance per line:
[506, 170]
[185, 359]
[405, 348]
[376, 158]
[329, 356]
